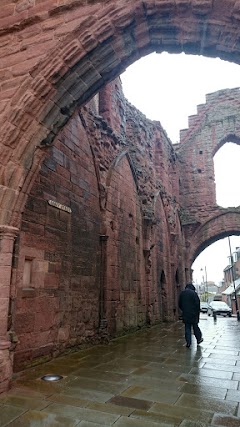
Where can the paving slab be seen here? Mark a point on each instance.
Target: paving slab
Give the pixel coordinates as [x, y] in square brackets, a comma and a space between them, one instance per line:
[145, 379]
[9, 413]
[43, 419]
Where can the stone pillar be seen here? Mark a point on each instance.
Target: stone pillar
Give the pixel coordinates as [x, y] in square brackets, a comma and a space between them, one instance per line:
[147, 247]
[7, 236]
[103, 284]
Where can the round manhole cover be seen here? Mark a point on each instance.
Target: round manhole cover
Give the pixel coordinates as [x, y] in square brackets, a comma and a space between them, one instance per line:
[51, 377]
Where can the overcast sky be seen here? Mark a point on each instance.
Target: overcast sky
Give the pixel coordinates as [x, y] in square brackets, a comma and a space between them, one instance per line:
[168, 88]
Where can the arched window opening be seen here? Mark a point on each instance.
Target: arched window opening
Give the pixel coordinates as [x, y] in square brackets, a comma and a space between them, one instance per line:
[226, 167]
[177, 279]
[162, 296]
[162, 280]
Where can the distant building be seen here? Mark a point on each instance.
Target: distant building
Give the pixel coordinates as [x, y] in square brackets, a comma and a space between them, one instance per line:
[231, 285]
[212, 288]
[206, 291]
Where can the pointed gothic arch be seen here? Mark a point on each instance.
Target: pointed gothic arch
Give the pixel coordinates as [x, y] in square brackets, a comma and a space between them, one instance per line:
[96, 48]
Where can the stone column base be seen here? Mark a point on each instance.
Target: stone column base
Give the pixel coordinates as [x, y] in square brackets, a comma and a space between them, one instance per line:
[5, 366]
[7, 237]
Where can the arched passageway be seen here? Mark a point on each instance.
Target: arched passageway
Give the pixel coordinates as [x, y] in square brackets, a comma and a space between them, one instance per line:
[223, 225]
[77, 50]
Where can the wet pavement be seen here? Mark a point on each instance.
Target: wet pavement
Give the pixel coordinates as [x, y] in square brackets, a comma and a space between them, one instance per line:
[146, 379]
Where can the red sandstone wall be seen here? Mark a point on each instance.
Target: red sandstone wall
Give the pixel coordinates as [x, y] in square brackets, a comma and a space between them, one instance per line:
[65, 284]
[54, 56]
[157, 174]
[167, 269]
[216, 123]
[160, 301]
[56, 283]
[59, 305]
[126, 302]
[112, 106]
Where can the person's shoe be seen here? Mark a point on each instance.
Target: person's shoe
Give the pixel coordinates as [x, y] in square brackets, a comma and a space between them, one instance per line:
[201, 340]
[188, 345]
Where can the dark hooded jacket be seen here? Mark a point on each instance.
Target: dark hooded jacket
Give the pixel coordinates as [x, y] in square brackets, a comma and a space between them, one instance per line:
[189, 303]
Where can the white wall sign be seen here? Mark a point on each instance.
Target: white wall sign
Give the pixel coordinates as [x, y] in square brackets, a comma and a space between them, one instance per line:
[60, 206]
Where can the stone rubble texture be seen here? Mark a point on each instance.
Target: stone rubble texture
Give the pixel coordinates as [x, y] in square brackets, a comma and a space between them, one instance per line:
[142, 209]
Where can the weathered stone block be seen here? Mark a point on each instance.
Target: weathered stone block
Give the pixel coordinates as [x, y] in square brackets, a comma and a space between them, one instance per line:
[202, 7]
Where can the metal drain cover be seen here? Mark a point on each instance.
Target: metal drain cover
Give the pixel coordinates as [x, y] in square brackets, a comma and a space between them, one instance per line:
[51, 377]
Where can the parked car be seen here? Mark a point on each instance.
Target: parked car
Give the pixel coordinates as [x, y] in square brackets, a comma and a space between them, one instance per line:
[203, 307]
[219, 307]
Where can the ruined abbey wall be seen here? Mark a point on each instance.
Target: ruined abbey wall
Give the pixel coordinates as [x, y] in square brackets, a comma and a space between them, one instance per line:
[113, 222]
[117, 169]
[57, 260]
[96, 254]
[217, 122]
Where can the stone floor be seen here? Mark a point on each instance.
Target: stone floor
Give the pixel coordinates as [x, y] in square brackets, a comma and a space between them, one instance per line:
[144, 380]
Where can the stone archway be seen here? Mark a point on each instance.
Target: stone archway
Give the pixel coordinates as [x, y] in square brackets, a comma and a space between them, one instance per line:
[203, 221]
[55, 58]
[222, 225]
[124, 280]
[79, 49]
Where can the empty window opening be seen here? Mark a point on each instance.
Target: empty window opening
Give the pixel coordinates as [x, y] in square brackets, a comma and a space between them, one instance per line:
[27, 272]
[226, 167]
[173, 103]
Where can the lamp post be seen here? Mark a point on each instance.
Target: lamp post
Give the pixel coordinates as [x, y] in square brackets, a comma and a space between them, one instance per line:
[233, 279]
[204, 290]
[205, 283]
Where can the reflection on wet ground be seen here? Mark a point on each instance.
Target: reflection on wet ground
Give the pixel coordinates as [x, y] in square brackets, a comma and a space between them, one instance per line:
[147, 379]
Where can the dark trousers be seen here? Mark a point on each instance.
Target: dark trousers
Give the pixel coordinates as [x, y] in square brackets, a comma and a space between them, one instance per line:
[188, 332]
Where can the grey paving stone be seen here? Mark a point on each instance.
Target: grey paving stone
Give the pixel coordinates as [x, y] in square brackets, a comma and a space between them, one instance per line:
[146, 379]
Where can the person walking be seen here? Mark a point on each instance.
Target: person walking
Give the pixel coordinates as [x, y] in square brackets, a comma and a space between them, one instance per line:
[189, 304]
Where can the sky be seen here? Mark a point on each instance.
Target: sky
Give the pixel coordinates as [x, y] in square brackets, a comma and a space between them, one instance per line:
[168, 88]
